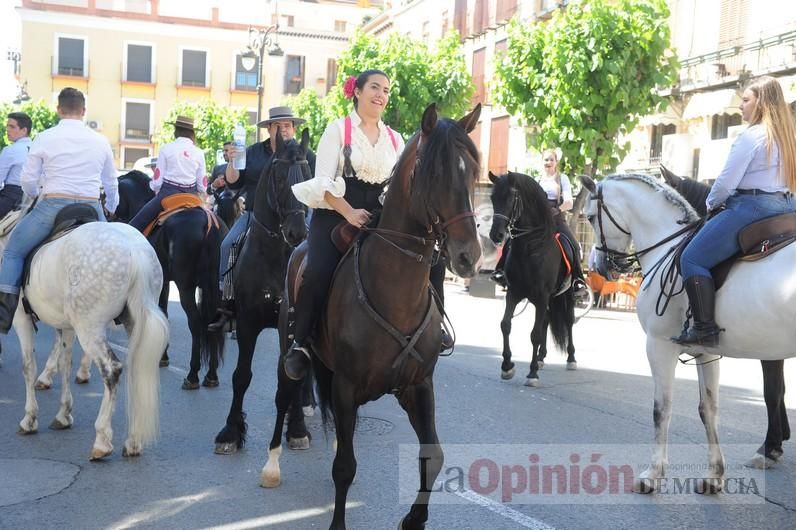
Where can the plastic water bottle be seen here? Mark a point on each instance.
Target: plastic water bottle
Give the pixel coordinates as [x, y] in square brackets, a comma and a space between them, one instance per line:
[239, 139]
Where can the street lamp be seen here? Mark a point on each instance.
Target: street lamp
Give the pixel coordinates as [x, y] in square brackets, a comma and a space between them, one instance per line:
[22, 95]
[259, 40]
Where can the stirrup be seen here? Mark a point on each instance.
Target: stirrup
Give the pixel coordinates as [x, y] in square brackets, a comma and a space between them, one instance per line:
[223, 316]
[297, 360]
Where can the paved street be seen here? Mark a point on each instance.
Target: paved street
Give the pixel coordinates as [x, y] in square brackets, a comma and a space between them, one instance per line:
[46, 480]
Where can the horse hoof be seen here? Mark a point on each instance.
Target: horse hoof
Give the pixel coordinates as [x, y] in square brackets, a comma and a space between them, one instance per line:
[709, 486]
[268, 480]
[164, 363]
[402, 526]
[572, 365]
[506, 375]
[42, 386]
[190, 385]
[81, 381]
[57, 425]
[298, 444]
[226, 448]
[532, 381]
[25, 432]
[308, 411]
[130, 453]
[209, 383]
[762, 462]
[99, 454]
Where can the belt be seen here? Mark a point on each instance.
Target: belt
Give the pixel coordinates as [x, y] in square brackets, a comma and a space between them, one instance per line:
[181, 186]
[67, 196]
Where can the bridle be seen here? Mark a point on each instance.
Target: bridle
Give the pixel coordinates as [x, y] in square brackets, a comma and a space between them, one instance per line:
[282, 214]
[515, 212]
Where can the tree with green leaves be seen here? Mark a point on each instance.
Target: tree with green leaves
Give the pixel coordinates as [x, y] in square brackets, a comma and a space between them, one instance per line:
[418, 77]
[42, 115]
[582, 79]
[316, 110]
[213, 123]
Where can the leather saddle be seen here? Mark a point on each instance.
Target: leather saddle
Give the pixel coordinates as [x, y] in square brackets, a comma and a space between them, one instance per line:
[759, 240]
[174, 204]
[66, 220]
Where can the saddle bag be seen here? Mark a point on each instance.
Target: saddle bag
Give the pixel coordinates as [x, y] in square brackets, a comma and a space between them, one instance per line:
[344, 235]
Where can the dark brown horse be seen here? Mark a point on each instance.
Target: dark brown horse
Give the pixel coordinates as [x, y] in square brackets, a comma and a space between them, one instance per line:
[380, 333]
[770, 452]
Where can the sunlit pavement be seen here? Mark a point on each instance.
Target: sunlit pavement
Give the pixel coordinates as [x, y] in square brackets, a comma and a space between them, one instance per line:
[46, 480]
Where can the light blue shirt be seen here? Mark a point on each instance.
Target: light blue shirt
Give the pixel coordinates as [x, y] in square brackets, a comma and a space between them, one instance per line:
[748, 166]
[12, 158]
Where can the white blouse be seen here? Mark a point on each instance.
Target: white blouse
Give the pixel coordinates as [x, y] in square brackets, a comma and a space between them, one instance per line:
[550, 186]
[372, 163]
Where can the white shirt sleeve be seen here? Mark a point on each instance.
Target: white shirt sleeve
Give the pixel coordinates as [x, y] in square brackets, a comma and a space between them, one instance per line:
[566, 194]
[6, 161]
[201, 172]
[160, 169]
[327, 160]
[32, 170]
[109, 181]
[741, 154]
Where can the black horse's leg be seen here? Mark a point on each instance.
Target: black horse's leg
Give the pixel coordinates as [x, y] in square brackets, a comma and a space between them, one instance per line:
[233, 436]
[163, 302]
[188, 303]
[774, 395]
[540, 357]
[572, 364]
[345, 464]
[308, 395]
[418, 402]
[298, 437]
[538, 336]
[287, 391]
[507, 367]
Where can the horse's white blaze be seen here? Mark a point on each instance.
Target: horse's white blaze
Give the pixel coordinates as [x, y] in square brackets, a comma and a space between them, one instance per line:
[754, 306]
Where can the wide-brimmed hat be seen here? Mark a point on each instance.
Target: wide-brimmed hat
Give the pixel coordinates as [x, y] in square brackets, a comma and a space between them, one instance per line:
[152, 162]
[183, 122]
[279, 114]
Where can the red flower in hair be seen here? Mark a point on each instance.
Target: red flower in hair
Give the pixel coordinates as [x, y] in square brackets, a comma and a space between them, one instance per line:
[349, 86]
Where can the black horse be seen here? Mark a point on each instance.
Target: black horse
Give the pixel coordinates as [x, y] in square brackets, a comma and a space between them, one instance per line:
[277, 226]
[188, 245]
[695, 193]
[387, 338]
[227, 207]
[535, 269]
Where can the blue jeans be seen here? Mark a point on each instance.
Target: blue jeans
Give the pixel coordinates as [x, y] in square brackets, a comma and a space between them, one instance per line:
[150, 210]
[718, 239]
[32, 230]
[238, 228]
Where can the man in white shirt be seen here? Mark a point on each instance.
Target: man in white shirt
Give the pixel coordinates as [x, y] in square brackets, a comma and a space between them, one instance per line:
[180, 169]
[12, 158]
[68, 163]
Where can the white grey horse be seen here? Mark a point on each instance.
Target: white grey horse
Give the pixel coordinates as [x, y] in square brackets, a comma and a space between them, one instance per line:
[79, 284]
[755, 305]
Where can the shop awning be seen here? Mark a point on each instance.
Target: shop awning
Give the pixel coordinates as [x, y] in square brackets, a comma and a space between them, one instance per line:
[670, 116]
[725, 101]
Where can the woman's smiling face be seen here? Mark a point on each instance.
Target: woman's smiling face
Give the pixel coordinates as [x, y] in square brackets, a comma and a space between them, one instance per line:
[374, 96]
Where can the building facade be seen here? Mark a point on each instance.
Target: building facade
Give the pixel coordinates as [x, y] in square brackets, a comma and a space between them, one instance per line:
[134, 59]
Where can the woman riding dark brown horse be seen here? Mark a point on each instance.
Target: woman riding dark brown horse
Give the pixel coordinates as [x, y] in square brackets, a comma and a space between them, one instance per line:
[380, 330]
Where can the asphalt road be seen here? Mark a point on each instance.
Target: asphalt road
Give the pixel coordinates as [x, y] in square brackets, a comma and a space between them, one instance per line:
[602, 411]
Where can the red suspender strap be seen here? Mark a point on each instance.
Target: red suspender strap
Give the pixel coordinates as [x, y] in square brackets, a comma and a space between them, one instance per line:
[347, 132]
[392, 137]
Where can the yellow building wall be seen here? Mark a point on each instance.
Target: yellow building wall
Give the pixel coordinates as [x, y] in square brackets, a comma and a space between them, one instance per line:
[104, 89]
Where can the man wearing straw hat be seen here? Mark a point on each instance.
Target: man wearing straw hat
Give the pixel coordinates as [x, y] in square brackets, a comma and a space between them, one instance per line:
[258, 156]
[180, 169]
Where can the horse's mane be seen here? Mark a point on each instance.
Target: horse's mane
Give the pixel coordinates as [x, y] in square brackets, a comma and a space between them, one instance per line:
[139, 177]
[535, 203]
[294, 175]
[671, 196]
[448, 146]
[695, 193]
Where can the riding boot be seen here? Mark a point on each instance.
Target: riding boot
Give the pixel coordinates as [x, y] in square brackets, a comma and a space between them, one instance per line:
[702, 297]
[8, 306]
[297, 358]
[498, 276]
[224, 314]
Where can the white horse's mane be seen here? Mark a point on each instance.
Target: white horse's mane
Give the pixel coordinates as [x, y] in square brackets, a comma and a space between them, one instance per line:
[689, 214]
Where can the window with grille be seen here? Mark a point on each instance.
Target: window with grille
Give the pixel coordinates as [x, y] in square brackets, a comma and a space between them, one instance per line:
[71, 56]
[139, 63]
[656, 139]
[136, 121]
[131, 154]
[246, 79]
[294, 74]
[194, 68]
[720, 123]
[331, 73]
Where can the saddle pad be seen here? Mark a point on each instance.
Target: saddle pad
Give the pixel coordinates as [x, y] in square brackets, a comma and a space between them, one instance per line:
[343, 236]
[762, 238]
[176, 203]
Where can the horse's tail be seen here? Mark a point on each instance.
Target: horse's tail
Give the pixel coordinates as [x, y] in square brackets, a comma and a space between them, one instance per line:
[211, 342]
[562, 317]
[148, 340]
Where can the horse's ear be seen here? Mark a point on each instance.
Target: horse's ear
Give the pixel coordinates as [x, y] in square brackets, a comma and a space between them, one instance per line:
[588, 182]
[493, 178]
[305, 139]
[469, 122]
[670, 178]
[429, 119]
